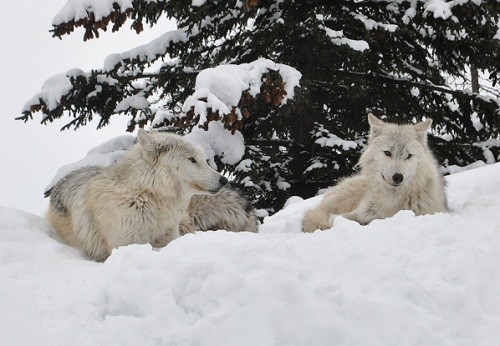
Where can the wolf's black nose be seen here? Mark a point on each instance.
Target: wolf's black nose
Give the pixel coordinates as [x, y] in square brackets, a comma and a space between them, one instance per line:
[397, 178]
[223, 180]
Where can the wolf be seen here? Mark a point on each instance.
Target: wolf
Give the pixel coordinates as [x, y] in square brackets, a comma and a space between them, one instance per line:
[228, 210]
[140, 199]
[398, 171]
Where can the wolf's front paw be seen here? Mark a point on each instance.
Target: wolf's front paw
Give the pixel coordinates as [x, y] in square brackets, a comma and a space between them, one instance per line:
[186, 226]
[331, 219]
[161, 241]
[315, 219]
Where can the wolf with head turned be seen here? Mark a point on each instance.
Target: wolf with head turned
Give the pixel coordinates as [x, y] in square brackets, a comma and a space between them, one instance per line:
[141, 199]
[398, 172]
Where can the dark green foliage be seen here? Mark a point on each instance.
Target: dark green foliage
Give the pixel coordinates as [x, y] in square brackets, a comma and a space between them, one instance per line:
[404, 75]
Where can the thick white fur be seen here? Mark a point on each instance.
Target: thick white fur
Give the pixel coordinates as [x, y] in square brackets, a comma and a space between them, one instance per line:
[373, 194]
[140, 199]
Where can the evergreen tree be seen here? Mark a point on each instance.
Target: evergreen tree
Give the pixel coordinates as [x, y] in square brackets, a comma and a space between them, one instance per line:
[398, 59]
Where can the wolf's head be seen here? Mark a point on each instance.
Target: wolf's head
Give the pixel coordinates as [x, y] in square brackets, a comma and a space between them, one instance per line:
[181, 161]
[395, 152]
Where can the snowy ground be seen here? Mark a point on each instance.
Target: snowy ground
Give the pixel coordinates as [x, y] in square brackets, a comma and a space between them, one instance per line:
[430, 280]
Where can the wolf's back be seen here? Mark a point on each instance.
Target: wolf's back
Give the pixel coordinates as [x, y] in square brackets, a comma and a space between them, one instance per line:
[64, 192]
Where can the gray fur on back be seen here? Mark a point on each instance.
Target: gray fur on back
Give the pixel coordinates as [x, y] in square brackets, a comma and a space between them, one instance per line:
[67, 187]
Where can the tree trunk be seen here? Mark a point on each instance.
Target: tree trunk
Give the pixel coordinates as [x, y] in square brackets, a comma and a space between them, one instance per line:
[474, 73]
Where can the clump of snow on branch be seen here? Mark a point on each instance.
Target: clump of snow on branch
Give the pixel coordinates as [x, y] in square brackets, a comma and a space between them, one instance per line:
[333, 140]
[54, 89]
[222, 86]
[370, 24]
[80, 9]
[497, 35]
[134, 101]
[147, 52]
[220, 90]
[327, 139]
[218, 141]
[337, 37]
[439, 8]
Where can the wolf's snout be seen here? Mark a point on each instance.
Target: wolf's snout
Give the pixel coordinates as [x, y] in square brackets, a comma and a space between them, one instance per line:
[223, 180]
[397, 178]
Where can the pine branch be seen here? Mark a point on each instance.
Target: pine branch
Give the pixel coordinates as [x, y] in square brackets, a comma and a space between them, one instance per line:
[405, 81]
[116, 16]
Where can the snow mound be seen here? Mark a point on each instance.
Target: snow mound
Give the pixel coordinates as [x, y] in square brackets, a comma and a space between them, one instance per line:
[407, 280]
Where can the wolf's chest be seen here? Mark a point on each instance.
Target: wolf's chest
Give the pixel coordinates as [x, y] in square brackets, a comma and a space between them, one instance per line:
[391, 203]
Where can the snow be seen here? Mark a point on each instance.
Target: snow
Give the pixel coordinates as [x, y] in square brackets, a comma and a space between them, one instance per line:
[80, 9]
[53, 89]
[197, 3]
[327, 139]
[370, 24]
[334, 140]
[135, 101]
[443, 9]
[226, 81]
[220, 142]
[148, 52]
[453, 169]
[408, 280]
[439, 8]
[220, 89]
[497, 35]
[338, 38]
[223, 85]
[244, 165]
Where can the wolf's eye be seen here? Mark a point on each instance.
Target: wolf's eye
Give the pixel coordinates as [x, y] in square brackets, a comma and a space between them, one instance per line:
[409, 156]
[192, 159]
[387, 153]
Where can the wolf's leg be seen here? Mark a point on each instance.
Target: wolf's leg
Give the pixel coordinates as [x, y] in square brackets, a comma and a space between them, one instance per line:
[165, 238]
[186, 226]
[316, 219]
[363, 214]
[353, 216]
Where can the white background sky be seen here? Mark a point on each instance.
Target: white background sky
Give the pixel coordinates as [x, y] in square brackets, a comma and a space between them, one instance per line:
[31, 153]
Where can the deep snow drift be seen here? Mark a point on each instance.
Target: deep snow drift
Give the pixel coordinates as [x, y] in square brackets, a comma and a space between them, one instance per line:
[406, 280]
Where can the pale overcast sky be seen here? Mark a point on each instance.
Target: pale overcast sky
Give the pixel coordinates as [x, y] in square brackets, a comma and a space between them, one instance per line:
[30, 153]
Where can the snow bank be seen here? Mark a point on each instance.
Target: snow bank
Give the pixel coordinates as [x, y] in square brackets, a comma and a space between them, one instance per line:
[401, 281]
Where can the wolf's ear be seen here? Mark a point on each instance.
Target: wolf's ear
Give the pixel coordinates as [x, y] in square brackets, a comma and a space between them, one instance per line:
[152, 146]
[421, 130]
[423, 126]
[144, 138]
[376, 125]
